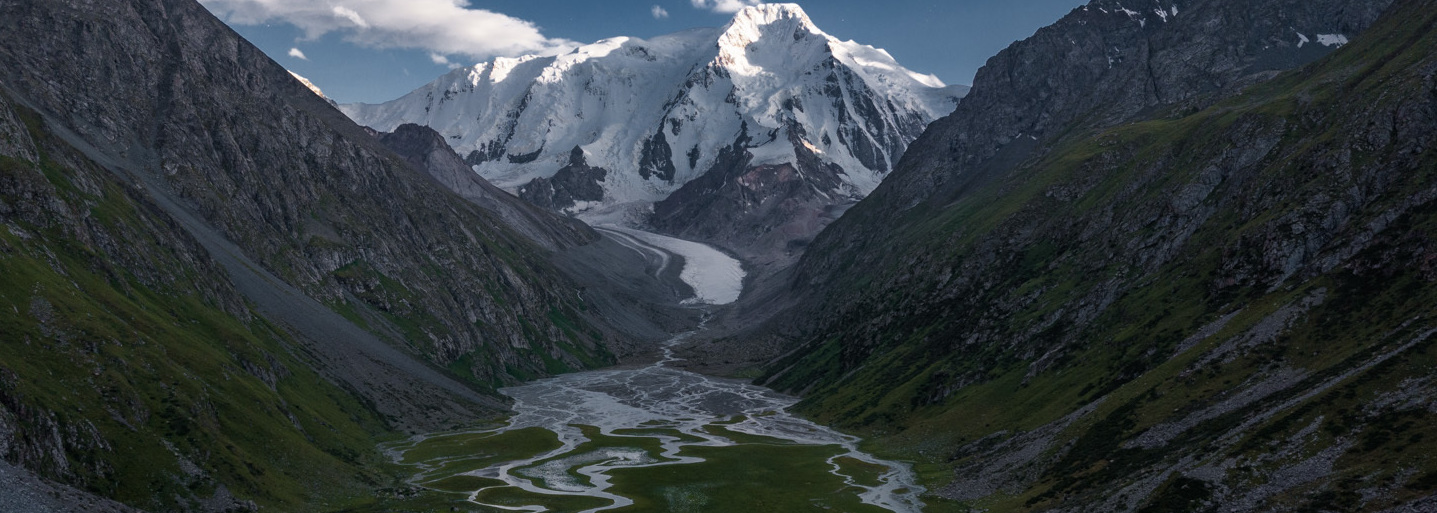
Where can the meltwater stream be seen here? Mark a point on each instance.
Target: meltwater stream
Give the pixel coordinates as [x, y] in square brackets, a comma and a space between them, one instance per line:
[658, 395]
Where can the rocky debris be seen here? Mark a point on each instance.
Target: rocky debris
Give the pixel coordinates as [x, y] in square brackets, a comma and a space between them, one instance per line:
[21, 491]
[14, 136]
[1011, 462]
[1257, 388]
[1264, 332]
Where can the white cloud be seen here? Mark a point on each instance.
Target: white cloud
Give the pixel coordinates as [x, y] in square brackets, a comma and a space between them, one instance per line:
[294, 52]
[351, 15]
[659, 12]
[727, 6]
[443, 60]
[443, 27]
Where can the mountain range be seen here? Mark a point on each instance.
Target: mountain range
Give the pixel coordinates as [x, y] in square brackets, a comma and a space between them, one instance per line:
[1174, 256]
[751, 135]
[218, 286]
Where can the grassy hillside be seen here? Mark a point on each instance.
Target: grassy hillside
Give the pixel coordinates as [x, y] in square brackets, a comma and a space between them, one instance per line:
[1230, 306]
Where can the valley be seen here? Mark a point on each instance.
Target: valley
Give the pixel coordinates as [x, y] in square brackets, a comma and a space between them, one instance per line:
[654, 438]
[1162, 256]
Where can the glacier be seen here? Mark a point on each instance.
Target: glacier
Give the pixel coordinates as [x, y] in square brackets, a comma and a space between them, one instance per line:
[659, 112]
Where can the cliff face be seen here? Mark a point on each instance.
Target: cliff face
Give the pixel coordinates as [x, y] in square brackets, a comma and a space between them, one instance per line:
[1220, 301]
[173, 96]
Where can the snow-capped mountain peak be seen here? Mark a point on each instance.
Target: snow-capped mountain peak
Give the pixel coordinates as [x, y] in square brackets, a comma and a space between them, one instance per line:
[771, 38]
[651, 115]
[757, 22]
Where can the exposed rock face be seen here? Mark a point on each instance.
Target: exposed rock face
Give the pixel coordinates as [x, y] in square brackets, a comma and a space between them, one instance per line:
[312, 87]
[1176, 295]
[769, 212]
[658, 114]
[574, 183]
[426, 151]
[1103, 64]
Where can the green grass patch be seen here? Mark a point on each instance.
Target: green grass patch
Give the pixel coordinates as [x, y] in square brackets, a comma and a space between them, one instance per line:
[516, 497]
[462, 484]
[744, 478]
[862, 472]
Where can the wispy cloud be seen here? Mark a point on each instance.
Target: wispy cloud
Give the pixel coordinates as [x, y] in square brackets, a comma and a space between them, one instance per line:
[726, 6]
[443, 60]
[296, 53]
[443, 27]
[659, 12]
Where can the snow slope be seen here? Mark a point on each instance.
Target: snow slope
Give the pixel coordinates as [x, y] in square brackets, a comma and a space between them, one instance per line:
[657, 112]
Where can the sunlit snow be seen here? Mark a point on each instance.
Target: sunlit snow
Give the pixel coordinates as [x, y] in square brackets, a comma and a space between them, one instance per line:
[701, 89]
[1331, 39]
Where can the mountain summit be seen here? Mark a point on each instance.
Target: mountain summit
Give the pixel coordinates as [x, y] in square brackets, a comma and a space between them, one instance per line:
[825, 120]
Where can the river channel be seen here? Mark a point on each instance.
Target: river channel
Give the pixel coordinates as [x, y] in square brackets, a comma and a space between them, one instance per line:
[658, 438]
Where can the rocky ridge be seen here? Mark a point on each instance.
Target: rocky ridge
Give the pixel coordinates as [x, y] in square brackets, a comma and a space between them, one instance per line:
[1099, 66]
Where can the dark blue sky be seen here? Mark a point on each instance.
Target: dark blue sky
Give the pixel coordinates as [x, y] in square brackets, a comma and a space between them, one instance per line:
[950, 38]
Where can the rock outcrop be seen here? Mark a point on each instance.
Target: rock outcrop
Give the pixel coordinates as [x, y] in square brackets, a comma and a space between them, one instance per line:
[575, 184]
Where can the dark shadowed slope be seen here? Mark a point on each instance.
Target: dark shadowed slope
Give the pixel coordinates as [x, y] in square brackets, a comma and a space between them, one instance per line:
[428, 152]
[1223, 304]
[132, 367]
